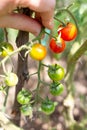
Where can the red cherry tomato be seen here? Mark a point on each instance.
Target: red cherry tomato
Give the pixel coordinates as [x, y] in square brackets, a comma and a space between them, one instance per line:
[57, 46]
[68, 32]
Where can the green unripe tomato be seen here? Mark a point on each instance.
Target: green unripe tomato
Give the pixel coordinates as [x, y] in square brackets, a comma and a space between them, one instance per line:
[56, 88]
[47, 107]
[11, 79]
[26, 110]
[24, 96]
[5, 49]
[56, 72]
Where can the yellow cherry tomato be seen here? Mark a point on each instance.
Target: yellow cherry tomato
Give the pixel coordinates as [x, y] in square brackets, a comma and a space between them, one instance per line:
[38, 51]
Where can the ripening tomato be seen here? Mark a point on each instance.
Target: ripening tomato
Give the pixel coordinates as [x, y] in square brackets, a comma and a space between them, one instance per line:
[38, 51]
[5, 49]
[57, 46]
[68, 32]
[47, 106]
[56, 88]
[11, 79]
[24, 96]
[56, 72]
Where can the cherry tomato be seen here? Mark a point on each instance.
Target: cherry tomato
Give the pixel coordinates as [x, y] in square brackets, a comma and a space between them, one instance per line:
[56, 88]
[5, 49]
[57, 46]
[24, 96]
[26, 110]
[11, 79]
[68, 32]
[56, 72]
[47, 106]
[38, 51]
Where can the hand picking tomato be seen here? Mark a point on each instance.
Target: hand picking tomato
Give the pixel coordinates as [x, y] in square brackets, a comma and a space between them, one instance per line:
[68, 32]
[47, 106]
[24, 96]
[38, 51]
[57, 46]
[5, 49]
[56, 72]
[11, 79]
[56, 88]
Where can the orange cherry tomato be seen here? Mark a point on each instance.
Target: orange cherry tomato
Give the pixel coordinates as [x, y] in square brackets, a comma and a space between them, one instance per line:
[68, 32]
[57, 46]
[38, 51]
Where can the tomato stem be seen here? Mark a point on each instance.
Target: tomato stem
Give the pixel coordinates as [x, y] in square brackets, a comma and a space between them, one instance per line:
[50, 35]
[5, 101]
[60, 21]
[45, 65]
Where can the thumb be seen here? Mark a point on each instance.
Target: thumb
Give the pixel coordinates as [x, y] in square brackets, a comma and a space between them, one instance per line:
[20, 22]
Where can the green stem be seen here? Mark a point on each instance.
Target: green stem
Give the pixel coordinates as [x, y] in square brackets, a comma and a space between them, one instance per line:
[5, 101]
[45, 65]
[72, 61]
[50, 35]
[68, 11]
[38, 84]
[59, 21]
[33, 74]
[47, 84]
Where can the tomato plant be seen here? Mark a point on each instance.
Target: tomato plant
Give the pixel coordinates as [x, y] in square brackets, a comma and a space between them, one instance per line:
[57, 46]
[56, 72]
[38, 51]
[24, 96]
[5, 49]
[68, 32]
[56, 88]
[47, 106]
[11, 79]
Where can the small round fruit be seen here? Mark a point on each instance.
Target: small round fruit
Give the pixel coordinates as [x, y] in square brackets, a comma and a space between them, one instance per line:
[26, 110]
[11, 79]
[47, 107]
[56, 72]
[68, 32]
[57, 46]
[38, 51]
[24, 96]
[56, 88]
[5, 49]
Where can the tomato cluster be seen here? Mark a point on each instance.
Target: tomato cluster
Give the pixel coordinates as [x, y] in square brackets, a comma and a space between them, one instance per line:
[56, 73]
[67, 33]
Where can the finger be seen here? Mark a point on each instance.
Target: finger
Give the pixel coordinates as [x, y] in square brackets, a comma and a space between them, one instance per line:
[47, 19]
[20, 22]
[38, 5]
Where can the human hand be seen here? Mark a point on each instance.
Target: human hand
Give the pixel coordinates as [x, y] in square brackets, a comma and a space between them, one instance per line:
[44, 10]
